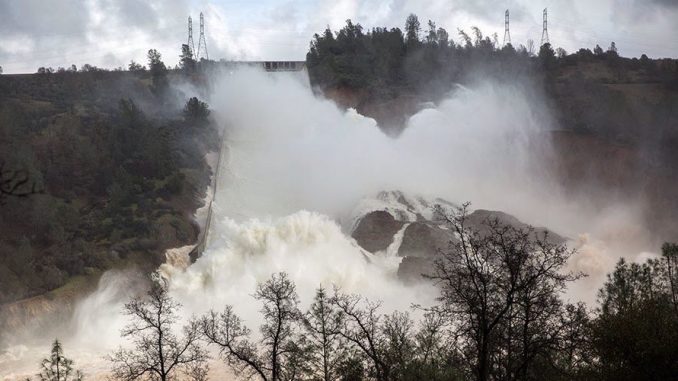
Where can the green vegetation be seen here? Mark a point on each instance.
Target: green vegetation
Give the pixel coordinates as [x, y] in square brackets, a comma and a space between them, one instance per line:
[635, 336]
[196, 112]
[113, 167]
[385, 63]
[187, 62]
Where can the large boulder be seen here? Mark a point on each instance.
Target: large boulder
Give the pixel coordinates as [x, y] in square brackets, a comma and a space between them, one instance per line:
[422, 239]
[375, 231]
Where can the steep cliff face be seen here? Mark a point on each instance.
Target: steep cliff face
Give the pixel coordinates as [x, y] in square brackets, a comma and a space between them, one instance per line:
[600, 169]
[391, 114]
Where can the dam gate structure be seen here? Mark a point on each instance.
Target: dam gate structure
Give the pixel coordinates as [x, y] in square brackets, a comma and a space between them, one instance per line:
[270, 66]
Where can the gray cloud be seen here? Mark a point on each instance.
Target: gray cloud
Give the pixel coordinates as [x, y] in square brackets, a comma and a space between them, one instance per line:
[138, 14]
[40, 19]
[666, 3]
[111, 32]
[105, 33]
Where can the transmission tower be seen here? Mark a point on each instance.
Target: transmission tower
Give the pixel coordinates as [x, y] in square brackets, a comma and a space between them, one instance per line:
[191, 44]
[202, 43]
[545, 31]
[507, 34]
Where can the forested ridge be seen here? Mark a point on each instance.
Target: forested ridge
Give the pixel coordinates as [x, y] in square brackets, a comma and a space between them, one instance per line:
[423, 62]
[100, 169]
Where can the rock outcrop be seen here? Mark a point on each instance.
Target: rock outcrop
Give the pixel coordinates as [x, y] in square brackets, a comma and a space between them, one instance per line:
[424, 234]
[375, 230]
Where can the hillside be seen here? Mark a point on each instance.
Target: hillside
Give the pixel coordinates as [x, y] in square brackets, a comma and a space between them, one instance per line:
[116, 168]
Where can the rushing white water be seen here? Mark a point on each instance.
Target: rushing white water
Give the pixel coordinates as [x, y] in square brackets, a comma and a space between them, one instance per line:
[294, 167]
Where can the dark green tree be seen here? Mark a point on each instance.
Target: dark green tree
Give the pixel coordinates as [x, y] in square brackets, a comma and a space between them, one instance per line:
[196, 111]
[547, 56]
[186, 60]
[443, 38]
[561, 53]
[135, 67]
[322, 323]
[612, 50]
[635, 335]
[412, 29]
[158, 72]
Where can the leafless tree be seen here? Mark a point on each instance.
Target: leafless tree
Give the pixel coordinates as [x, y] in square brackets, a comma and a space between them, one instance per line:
[501, 281]
[530, 47]
[362, 329]
[430, 338]
[227, 331]
[158, 353]
[279, 355]
[281, 313]
[399, 346]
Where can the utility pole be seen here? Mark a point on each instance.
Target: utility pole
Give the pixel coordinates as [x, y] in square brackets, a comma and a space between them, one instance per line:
[507, 34]
[191, 44]
[202, 43]
[545, 30]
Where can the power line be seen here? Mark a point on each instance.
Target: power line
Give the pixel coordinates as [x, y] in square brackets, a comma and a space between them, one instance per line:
[202, 43]
[545, 29]
[507, 34]
[191, 45]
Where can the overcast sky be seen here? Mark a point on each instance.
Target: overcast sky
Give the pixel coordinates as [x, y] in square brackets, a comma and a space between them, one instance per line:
[110, 33]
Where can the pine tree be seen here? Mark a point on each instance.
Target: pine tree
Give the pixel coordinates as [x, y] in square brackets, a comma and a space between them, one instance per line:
[57, 367]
